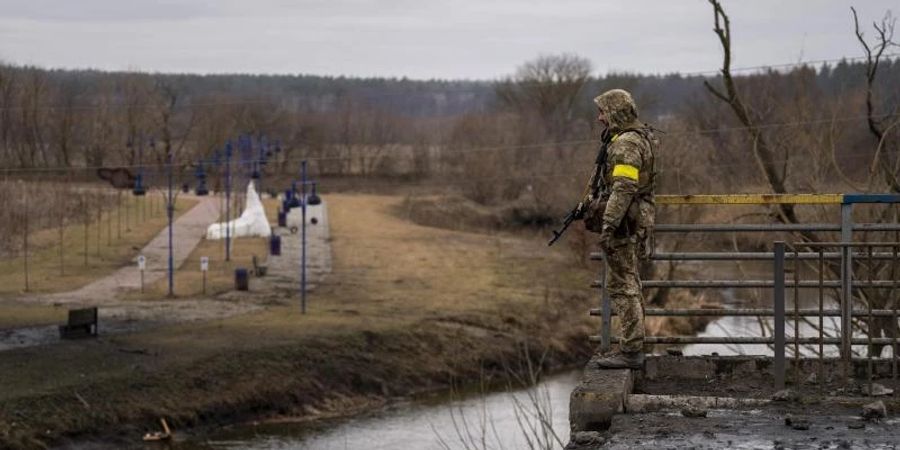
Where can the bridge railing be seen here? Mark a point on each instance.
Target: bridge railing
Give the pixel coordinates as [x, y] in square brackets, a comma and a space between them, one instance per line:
[830, 257]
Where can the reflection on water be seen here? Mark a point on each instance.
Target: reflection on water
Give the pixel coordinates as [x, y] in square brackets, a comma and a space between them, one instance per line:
[747, 326]
[494, 419]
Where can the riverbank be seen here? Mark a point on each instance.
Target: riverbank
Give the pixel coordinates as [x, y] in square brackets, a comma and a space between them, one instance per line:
[407, 309]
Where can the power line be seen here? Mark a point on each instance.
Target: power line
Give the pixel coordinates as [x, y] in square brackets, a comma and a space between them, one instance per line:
[787, 65]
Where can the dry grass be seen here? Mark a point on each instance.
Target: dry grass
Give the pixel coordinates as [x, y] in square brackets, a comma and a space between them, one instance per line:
[386, 265]
[386, 272]
[188, 278]
[17, 315]
[406, 307]
[106, 250]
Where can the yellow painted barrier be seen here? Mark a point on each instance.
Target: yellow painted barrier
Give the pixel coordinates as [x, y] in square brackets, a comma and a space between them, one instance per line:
[751, 199]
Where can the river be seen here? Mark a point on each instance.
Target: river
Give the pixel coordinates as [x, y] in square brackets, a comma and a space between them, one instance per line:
[496, 420]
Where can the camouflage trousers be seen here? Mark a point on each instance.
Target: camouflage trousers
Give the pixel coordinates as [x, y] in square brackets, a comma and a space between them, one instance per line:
[624, 285]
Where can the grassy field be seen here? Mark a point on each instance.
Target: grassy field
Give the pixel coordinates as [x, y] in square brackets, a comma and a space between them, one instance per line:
[18, 315]
[87, 252]
[408, 308]
[188, 278]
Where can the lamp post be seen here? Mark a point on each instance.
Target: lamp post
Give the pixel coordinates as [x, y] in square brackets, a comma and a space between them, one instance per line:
[304, 201]
[228, 151]
[170, 210]
[303, 238]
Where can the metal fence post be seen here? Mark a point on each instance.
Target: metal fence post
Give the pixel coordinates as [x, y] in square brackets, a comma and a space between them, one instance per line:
[846, 280]
[778, 296]
[606, 320]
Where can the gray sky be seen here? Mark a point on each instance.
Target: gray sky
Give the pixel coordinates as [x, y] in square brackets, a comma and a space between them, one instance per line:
[481, 39]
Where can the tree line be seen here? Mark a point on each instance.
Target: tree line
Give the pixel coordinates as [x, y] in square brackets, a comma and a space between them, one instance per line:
[527, 134]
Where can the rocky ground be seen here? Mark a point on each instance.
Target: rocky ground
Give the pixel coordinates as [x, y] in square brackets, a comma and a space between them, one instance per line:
[731, 402]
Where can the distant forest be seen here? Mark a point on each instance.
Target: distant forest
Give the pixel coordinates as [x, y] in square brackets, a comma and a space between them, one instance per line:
[305, 94]
[529, 126]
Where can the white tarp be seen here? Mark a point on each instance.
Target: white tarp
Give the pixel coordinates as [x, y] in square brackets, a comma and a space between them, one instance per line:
[314, 214]
[252, 222]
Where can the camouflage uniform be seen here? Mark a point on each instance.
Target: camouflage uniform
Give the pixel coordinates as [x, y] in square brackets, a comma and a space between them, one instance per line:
[628, 181]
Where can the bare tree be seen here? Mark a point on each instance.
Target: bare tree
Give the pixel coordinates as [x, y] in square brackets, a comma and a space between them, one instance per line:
[762, 149]
[885, 160]
[776, 171]
[174, 129]
[136, 91]
[31, 142]
[64, 119]
[547, 87]
[100, 127]
[877, 126]
[8, 82]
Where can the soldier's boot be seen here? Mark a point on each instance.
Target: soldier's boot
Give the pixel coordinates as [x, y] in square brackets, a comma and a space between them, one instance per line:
[623, 360]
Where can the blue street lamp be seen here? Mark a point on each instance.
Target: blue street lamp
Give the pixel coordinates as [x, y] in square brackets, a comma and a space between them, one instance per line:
[139, 188]
[200, 173]
[228, 151]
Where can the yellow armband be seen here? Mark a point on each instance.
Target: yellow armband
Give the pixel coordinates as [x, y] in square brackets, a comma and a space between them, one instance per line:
[626, 171]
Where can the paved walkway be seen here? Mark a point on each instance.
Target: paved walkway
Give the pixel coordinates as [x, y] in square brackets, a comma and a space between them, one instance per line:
[284, 270]
[121, 317]
[188, 230]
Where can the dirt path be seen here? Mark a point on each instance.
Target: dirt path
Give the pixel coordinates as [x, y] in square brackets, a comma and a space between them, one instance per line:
[188, 230]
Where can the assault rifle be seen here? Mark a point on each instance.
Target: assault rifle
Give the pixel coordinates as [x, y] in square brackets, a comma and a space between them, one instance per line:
[574, 214]
[593, 187]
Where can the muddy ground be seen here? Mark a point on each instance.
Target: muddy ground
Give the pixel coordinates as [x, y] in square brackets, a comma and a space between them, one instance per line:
[813, 413]
[761, 428]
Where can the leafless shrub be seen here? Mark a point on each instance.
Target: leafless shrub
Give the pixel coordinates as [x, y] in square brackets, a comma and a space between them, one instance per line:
[532, 408]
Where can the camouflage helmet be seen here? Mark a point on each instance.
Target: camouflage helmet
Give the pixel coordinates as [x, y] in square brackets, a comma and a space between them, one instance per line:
[619, 108]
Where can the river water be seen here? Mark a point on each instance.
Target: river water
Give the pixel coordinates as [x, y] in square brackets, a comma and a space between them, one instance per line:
[501, 419]
[497, 420]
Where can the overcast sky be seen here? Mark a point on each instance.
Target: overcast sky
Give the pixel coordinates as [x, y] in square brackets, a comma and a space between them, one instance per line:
[480, 39]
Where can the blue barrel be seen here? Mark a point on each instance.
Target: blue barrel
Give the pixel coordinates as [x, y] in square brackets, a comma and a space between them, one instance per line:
[275, 245]
[282, 219]
[241, 279]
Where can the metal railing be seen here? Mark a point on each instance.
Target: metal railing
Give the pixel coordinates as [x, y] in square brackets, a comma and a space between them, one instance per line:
[846, 299]
[838, 257]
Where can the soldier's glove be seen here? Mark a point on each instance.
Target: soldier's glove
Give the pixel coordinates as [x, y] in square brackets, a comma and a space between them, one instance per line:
[605, 236]
[593, 215]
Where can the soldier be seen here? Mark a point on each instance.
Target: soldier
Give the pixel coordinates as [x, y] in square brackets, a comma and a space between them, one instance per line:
[621, 208]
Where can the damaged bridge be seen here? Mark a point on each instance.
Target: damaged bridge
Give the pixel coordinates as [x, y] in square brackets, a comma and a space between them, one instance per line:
[820, 372]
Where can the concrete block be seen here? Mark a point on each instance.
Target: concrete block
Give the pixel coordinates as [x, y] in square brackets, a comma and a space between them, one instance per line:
[644, 403]
[600, 395]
